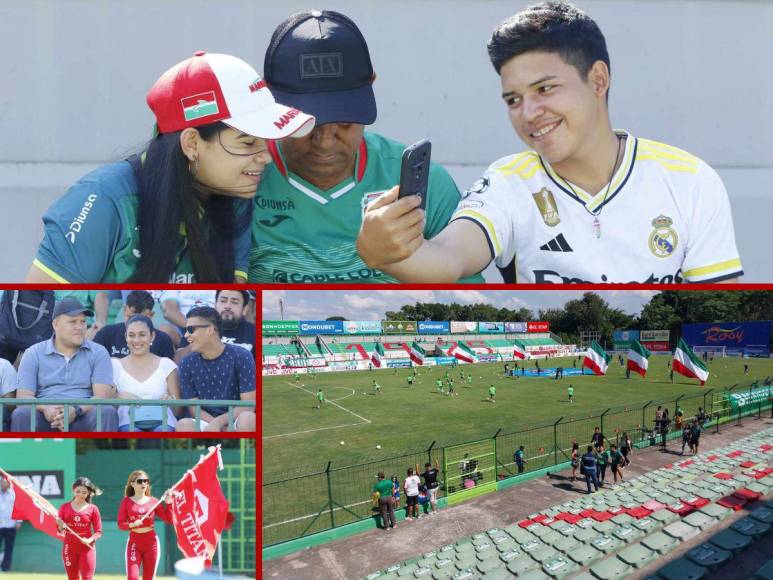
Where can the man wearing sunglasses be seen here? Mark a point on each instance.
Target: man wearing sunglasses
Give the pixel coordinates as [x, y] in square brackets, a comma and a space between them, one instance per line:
[215, 371]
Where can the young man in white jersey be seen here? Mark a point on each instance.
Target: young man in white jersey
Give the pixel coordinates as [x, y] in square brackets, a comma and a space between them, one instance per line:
[587, 204]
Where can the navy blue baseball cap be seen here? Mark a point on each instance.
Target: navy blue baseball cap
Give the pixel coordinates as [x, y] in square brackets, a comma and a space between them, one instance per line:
[318, 61]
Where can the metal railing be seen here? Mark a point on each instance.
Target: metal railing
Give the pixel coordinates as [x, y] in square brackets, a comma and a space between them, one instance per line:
[132, 404]
[304, 502]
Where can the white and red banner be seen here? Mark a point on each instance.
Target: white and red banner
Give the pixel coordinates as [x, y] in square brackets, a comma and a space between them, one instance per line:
[596, 359]
[687, 364]
[33, 507]
[199, 509]
[378, 354]
[638, 358]
[519, 351]
[538, 326]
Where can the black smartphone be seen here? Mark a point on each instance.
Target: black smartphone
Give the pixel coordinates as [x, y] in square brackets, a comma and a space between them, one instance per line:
[414, 171]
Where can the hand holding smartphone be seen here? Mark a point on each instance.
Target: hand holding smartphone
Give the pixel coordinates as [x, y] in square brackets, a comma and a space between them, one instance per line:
[414, 171]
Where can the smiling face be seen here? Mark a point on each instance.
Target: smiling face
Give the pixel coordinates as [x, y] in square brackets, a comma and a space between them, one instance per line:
[139, 337]
[232, 162]
[200, 333]
[555, 111]
[81, 493]
[325, 157]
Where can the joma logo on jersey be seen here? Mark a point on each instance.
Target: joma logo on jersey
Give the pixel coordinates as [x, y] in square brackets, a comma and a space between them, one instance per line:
[322, 65]
[80, 219]
[285, 119]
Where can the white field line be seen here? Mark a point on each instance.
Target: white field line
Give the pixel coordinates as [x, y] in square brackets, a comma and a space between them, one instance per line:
[331, 402]
[312, 430]
[312, 515]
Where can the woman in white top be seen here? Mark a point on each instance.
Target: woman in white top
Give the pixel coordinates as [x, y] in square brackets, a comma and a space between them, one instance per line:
[143, 375]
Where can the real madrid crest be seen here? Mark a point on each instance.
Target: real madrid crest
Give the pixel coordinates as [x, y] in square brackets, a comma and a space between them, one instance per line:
[546, 204]
[663, 239]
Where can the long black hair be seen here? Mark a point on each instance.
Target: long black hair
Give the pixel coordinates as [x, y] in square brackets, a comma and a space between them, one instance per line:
[170, 199]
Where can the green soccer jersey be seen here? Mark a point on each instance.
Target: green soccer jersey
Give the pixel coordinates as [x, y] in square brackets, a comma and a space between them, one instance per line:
[91, 233]
[302, 234]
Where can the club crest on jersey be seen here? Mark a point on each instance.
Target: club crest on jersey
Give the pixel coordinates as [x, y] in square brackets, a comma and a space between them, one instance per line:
[663, 239]
[478, 187]
[546, 203]
[368, 198]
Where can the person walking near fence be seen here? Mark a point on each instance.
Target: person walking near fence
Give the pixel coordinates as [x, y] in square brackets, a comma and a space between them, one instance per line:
[686, 433]
[695, 436]
[575, 459]
[665, 424]
[588, 469]
[597, 439]
[616, 461]
[519, 460]
[626, 447]
[385, 504]
[602, 459]
[430, 476]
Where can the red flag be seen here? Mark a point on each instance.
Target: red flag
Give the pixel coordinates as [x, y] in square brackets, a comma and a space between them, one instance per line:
[199, 509]
[37, 510]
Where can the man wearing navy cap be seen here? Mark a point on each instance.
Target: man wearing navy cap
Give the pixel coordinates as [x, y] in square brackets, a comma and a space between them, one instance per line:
[311, 200]
[66, 366]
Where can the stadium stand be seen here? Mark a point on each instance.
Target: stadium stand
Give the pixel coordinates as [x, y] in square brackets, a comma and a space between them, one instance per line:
[630, 528]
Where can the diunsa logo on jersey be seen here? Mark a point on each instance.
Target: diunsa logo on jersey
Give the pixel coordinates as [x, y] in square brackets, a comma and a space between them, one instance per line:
[548, 209]
[663, 239]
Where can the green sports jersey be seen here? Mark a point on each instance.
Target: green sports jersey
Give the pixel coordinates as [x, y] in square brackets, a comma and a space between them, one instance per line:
[91, 233]
[302, 234]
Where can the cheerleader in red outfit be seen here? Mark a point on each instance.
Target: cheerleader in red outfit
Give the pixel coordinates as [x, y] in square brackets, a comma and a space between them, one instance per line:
[136, 514]
[79, 552]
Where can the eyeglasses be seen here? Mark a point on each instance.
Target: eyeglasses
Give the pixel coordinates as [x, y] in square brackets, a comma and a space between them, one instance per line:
[192, 328]
[243, 149]
[141, 481]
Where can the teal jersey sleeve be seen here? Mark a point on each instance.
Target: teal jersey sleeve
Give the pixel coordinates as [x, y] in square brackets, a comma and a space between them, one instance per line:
[82, 233]
[242, 246]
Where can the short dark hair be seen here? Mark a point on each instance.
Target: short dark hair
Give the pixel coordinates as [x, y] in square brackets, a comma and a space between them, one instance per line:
[245, 296]
[209, 314]
[143, 319]
[555, 27]
[139, 300]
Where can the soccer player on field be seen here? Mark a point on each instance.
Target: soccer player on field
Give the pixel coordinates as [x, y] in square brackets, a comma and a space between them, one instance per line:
[570, 392]
[376, 388]
[439, 385]
[451, 388]
[320, 398]
[492, 394]
[586, 203]
[410, 380]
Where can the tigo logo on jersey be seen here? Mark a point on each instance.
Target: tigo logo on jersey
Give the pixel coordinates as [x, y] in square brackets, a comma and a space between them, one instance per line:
[198, 106]
[546, 204]
[663, 239]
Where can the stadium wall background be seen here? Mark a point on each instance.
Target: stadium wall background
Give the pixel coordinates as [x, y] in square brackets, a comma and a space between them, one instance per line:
[77, 96]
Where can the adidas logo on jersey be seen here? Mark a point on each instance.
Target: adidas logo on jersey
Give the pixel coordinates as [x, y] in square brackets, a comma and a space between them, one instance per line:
[557, 244]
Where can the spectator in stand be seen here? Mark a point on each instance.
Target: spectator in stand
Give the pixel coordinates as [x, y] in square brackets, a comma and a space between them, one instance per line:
[144, 375]
[396, 492]
[658, 418]
[589, 469]
[616, 459]
[63, 367]
[175, 305]
[384, 489]
[411, 487]
[113, 336]
[215, 371]
[602, 459]
[8, 526]
[626, 447]
[520, 462]
[430, 476]
[665, 427]
[678, 418]
[702, 417]
[95, 301]
[7, 389]
[232, 306]
[597, 439]
[695, 436]
[686, 431]
[575, 459]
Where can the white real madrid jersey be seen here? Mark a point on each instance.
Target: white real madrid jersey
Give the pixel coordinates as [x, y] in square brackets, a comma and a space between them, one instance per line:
[665, 218]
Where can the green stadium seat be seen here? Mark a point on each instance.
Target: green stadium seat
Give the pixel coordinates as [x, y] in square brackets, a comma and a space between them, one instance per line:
[765, 572]
[709, 556]
[699, 520]
[681, 531]
[519, 566]
[544, 553]
[559, 567]
[731, 541]
[763, 513]
[487, 566]
[637, 555]
[682, 569]
[627, 533]
[585, 535]
[606, 543]
[611, 568]
[665, 517]
[751, 527]
[716, 511]
[660, 542]
[536, 574]
[585, 555]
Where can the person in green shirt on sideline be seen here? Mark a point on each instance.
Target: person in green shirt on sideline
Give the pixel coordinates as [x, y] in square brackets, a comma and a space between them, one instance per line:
[320, 398]
[616, 459]
[312, 201]
[492, 394]
[602, 459]
[469, 379]
[451, 389]
[384, 488]
[439, 385]
[570, 392]
[376, 387]
[410, 380]
[297, 377]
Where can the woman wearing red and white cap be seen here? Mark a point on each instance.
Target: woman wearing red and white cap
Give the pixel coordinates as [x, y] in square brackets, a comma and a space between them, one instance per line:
[180, 211]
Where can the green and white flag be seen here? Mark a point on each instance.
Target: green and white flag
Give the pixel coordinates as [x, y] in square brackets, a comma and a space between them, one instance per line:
[596, 359]
[638, 358]
[417, 353]
[687, 364]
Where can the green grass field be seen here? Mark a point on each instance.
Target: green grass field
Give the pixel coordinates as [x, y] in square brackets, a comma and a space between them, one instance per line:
[299, 439]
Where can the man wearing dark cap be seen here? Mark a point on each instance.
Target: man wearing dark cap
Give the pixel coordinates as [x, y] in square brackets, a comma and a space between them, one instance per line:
[66, 366]
[311, 200]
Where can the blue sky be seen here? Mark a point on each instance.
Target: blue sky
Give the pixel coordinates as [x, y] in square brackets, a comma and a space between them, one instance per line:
[372, 304]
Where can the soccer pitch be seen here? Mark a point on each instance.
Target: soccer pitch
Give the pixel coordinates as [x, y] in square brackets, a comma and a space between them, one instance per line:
[297, 437]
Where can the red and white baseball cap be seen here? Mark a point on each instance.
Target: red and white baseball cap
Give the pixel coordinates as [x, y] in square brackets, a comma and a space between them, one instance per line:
[207, 88]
